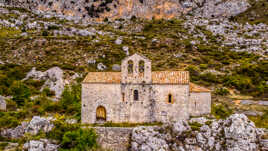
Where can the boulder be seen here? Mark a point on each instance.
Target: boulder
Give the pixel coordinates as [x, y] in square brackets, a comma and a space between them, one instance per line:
[101, 66]
[3, 104]
[240, 133]
[54, 79]
[37, 124]
[236, 133]
[116, 67]
[40, 145]
[11, 147]
[147, 139]
[16, 132]
[181, 126]
[125, 49]
[34, 145]
[118, 41]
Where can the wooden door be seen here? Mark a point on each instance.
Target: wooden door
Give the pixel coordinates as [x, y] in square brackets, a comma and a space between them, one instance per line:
[101, 113]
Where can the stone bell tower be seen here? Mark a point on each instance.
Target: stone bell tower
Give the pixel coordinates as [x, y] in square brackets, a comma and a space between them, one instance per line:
[136, 69]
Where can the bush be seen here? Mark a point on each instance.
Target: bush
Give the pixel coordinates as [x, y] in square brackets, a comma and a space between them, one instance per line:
[222, 91]
[8, 121]
[80, 140]
[221, 111]
[44, 33]
[194, 72]
[71, 100]
[240, 82]
[195, 126]
[20, 92]
[60, 129]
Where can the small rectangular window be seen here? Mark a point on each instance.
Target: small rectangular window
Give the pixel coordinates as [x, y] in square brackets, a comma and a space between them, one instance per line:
[123, 97]
[136, 95]
[170, 98]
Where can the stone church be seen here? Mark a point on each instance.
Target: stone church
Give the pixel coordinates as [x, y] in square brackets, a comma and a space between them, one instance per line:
[139, 95]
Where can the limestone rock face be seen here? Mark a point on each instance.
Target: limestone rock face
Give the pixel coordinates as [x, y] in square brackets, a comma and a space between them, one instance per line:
[16, 132]
[216, 8]
[3, 104]
[139, 8]
[53, 76]
[39, 123]
[148, 139]
[33, 127]
[236, 133]
[40, 145]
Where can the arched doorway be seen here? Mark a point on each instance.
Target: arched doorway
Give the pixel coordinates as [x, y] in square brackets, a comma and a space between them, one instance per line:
[101, 114]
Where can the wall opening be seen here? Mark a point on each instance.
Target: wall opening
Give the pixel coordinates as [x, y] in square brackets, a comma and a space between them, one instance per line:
[123, 97]
[130, 66]
[136, 95]
[101, 114]
[170, 98]
[141, 66]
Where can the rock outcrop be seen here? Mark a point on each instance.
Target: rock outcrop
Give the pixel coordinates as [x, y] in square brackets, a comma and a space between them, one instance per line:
[39, 123]
[236, 133]
[53, 79]
[3, 104]
[36, 125]
[40, 145]
[113, 9]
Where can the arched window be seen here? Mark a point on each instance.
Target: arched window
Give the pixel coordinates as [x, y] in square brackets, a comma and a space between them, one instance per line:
[170, 98]
[141, 66]
[130, 66]
[136, 95]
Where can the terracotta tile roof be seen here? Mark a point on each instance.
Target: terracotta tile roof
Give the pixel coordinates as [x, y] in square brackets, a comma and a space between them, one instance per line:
[170, 77]
[197, 88]
[158, 77]
[103, 77]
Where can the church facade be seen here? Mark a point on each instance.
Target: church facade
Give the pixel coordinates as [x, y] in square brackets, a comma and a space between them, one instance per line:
[139, 95]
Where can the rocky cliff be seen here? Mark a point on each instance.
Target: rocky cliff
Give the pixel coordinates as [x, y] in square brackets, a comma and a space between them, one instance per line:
[113, 9]
[236, 133]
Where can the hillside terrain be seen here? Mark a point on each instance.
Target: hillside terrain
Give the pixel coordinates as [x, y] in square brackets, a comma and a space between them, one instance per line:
[47, 47]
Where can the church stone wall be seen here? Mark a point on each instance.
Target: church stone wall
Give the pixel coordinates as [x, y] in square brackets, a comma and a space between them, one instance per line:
[95, 95]
[114, 138]
[178, 109]
[200, 103]
[151, 106]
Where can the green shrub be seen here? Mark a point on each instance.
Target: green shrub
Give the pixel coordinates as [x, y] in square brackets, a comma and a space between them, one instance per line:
[195, 126]
[194, 72]
[3, 145]
[221, 111]
[260, 121]
[208, 123]
[222, 91]
[203, 66]
[45, 33]
[48, 92]
[71, 100]
[8, 121]
[60, 128]
[20, 92]
[240, 82]
[80, 140]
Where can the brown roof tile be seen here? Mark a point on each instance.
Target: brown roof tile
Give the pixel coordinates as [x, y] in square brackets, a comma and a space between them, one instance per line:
[171, 77]
[197, 88]
[103, 77]
[158, 77]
